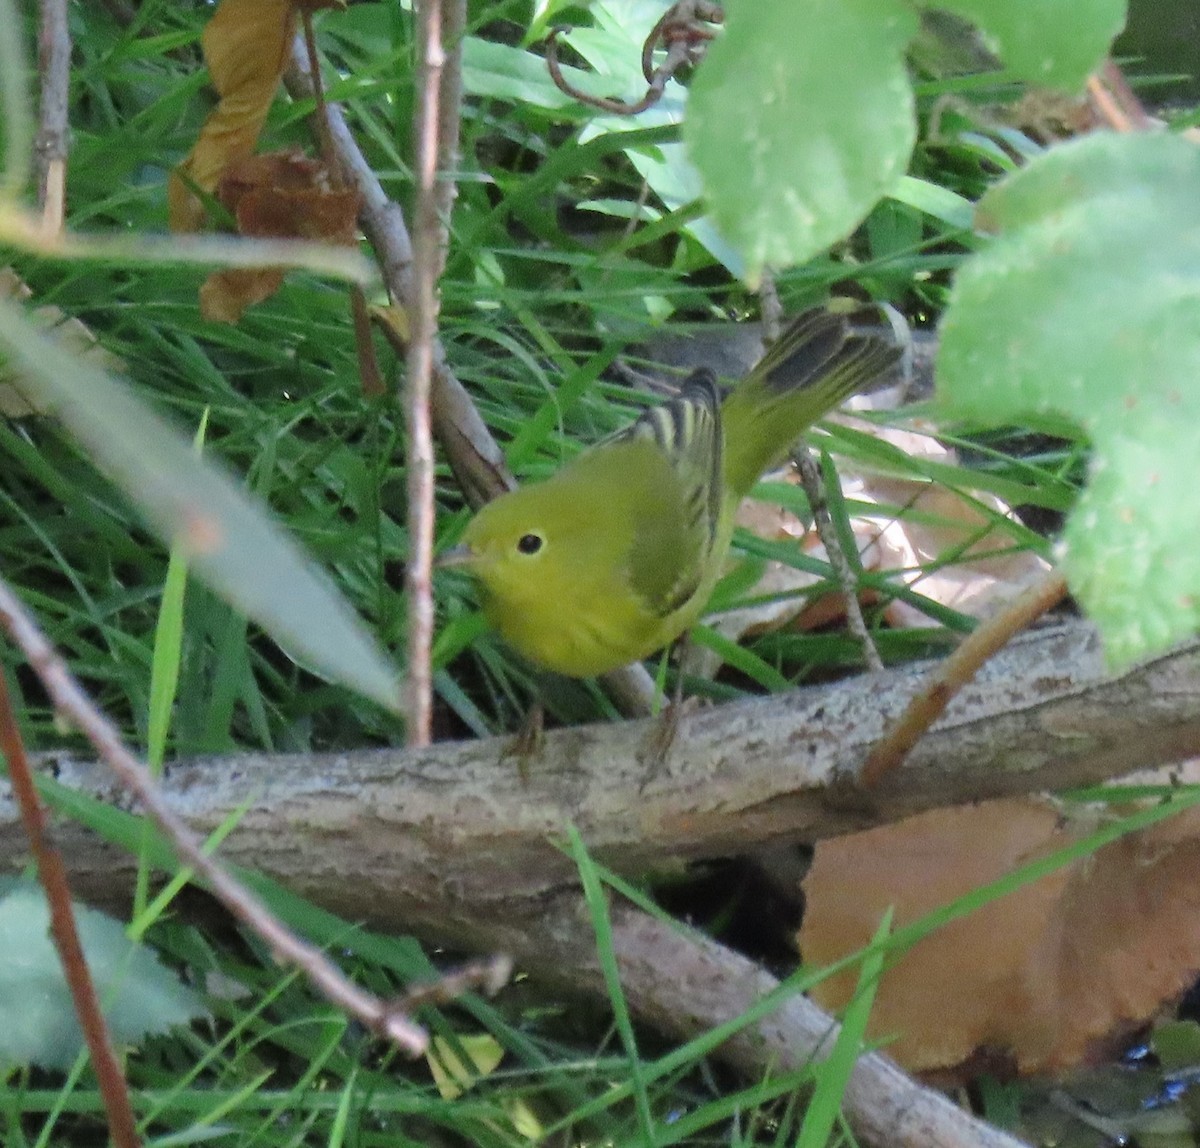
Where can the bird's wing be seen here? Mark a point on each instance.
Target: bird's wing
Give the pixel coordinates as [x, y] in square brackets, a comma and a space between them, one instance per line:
[680, 502]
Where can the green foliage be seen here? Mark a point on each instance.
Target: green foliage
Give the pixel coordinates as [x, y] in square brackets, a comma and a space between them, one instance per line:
[803, 115]
[229, 543]
[1056, 44]
[800, 120]
[1085, 305]
[37, 1016]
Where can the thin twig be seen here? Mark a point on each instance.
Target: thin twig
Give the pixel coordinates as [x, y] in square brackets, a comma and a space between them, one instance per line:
[1115, 101]
[770, 306]
[1115, 80]
[814, 487]
[956, 671]
[1107, 108]
[473, 454]
[321, 119]
[71, 701]
[490, 974]
[454, 27]
[681, 30]
[52, 872]
[50, 146]
[428, 243]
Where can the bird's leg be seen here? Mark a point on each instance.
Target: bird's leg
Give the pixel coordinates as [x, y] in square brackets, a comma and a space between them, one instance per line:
[666, 724]
[527, 743]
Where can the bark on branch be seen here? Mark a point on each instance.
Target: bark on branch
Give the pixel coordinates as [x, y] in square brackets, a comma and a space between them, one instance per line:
[450, 842]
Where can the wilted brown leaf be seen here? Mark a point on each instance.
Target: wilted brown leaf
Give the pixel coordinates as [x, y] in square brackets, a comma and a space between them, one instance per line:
[246, 46]
[1042, 979]
[953, 544]
[280, 195]
[950, 546]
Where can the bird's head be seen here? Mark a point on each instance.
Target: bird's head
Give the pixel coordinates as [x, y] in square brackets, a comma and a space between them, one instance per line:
[525, 547]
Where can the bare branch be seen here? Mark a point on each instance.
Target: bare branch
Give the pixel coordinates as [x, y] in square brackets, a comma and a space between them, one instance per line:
[454, 27]
[50, 146]
[449, 842]
[949, 676]
[52, 872]
[422, 307]
[474, 455]
[70, 701]
[814, 487]
[685, 984]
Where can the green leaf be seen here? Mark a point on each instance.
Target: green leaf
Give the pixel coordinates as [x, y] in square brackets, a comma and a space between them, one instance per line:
[800, 119]
[230, 543]
[1058, 43]
[614, 49]
[1088, 305]
[940, 202]
[37, 1018]
[502, 72]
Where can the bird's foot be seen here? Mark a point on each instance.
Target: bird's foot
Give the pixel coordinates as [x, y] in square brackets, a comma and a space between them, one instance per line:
[527, 744]
[657, 746]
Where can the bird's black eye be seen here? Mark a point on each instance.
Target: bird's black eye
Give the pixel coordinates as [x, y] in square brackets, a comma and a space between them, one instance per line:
[530, 543]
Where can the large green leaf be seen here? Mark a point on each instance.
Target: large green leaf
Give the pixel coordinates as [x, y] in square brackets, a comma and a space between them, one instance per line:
[1057, 43]
[37, 1018]
[800, 119]
[1087, 304]
[230, 543]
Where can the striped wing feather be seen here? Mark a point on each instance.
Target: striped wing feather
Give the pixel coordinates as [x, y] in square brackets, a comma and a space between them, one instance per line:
[671, 546]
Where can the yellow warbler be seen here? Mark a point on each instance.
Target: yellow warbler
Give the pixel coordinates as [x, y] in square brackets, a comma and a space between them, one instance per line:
[616, 555]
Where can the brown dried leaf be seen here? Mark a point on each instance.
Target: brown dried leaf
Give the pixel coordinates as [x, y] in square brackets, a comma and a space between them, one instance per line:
[938, 522]
[935, 522]
[287, 195]
[280, 195]
[1042, 979]
[224, 295]
[245, 45]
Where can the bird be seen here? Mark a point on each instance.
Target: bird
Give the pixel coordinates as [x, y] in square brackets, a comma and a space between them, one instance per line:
[615, 555]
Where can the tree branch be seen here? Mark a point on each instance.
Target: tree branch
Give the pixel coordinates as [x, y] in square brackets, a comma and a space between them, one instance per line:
[422, 307]
[475, 457]
[52, 873]
[449, 841]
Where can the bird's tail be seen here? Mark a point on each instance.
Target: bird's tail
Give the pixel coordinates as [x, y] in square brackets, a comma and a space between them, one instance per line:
[813, 366]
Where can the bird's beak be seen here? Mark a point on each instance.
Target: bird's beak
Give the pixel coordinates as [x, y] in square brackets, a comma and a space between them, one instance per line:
[460, 555]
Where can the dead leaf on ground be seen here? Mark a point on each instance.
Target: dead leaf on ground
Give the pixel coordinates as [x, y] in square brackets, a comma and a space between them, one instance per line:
[1053, 975]
[953, 547]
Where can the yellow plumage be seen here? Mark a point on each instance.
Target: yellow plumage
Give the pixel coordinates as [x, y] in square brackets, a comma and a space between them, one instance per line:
[616, 555]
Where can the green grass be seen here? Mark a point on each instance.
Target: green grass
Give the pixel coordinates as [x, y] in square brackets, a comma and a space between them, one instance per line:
[546, 285]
